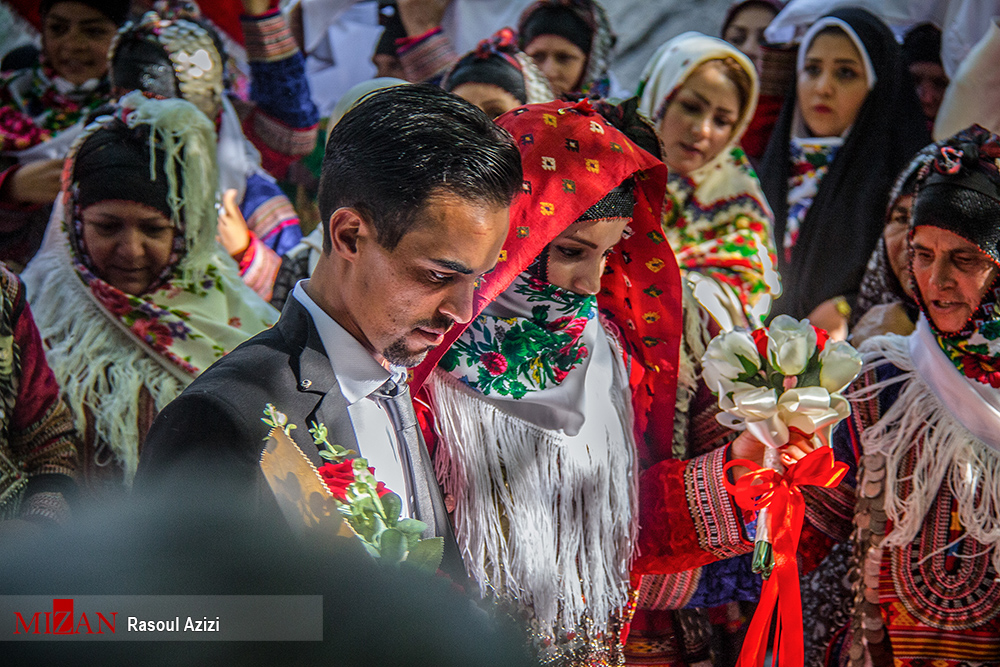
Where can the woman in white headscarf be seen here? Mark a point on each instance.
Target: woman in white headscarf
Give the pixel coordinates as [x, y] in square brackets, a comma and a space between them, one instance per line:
[700, 93]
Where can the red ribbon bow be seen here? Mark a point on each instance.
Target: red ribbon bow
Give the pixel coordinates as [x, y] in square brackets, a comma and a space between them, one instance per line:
[781, 493]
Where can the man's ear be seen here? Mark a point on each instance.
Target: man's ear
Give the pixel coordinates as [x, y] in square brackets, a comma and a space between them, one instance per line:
[345, 227]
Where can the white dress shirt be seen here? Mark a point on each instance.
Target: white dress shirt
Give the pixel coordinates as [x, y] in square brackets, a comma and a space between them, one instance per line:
[359, 376]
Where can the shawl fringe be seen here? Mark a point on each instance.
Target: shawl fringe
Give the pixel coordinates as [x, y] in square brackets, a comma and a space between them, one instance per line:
[102, 385]
[537, 523]
[944, 451]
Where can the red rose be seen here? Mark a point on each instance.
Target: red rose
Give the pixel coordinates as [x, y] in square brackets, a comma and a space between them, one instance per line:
[760, 339]
[494, 362]
[338, 476]
[821, 337]
[381, 489]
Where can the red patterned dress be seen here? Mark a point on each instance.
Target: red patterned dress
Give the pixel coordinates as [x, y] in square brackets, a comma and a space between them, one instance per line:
[38, 455]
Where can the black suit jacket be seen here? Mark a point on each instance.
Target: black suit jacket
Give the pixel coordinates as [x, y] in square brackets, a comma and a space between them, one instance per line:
[208, 441]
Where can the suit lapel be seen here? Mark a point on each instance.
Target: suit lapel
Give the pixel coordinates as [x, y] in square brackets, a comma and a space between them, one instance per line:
[318, 395]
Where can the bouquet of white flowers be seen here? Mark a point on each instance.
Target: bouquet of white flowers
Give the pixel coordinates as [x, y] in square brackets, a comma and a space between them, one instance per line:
[788, 376]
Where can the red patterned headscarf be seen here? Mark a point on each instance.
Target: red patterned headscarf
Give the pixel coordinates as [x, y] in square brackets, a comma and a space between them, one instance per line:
[572, 157]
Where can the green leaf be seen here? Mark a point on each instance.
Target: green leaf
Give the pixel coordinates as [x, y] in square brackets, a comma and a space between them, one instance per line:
[426, 555]
[392, 506]
[391, 545]
[370, 548]
[412, 526]
[748, 367]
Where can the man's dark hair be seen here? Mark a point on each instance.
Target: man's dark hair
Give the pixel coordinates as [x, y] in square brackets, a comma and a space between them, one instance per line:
[402, 145]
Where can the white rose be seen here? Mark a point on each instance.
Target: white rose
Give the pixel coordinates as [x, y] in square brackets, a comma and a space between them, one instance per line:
[721, 363]
[839, 363]
[790, 344]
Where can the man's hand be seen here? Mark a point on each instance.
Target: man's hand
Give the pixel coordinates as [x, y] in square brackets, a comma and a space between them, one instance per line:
[419, 16]
[34, 183]
[748, 447]
[233, 232]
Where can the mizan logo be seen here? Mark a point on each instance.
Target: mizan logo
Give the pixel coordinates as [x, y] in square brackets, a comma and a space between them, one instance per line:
[62, 621]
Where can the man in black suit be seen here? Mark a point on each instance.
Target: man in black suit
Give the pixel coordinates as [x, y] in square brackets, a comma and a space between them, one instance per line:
[414, 195]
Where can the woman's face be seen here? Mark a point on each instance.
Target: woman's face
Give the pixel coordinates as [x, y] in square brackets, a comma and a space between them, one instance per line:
[895, 233]
[75, 40]
[560, 60]
[128, 243]
[746, 31]
[577, 256]
[952, 275]
[493, 100]
[700, 119]
[832, 85]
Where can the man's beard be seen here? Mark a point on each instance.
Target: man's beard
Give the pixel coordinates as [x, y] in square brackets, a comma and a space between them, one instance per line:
[398, 354]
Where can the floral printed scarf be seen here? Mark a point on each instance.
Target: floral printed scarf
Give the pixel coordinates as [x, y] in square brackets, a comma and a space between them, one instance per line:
[716, 217]
[37, 104]
[811, 159]
[533, 349]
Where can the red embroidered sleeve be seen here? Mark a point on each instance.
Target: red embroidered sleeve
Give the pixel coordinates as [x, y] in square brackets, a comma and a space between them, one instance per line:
[687, 519]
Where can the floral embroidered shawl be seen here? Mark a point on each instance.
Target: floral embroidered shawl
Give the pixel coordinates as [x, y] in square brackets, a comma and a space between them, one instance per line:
[511, 356]
[716, 218]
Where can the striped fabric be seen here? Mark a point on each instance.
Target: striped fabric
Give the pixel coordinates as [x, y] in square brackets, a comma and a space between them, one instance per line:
[268, 37]
[716, 518]
[259, 267]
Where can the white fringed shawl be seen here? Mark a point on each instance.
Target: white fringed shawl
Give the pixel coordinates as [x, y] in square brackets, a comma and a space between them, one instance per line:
[951, 427]
[542, 518]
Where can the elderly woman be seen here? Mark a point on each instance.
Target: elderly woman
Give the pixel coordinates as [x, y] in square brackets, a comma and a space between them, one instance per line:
[132, 294]
[39, 107]
[700, 92]
[919, 505]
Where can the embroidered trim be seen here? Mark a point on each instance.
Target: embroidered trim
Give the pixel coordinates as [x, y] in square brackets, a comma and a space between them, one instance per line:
[260, 267]
[719, 528]
[272, 216]
[966, 597]
[282, 138]
[668, 591]
[268, 37]
[427, 57]
[47, 505]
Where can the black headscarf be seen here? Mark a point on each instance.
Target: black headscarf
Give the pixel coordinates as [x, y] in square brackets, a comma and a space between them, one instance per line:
[844, 223]
[116, 10]
[493, 62]
[922, 45]
[114, 163]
